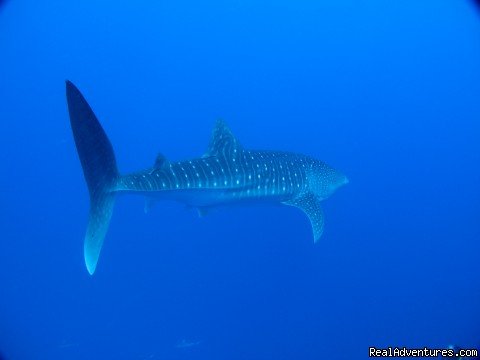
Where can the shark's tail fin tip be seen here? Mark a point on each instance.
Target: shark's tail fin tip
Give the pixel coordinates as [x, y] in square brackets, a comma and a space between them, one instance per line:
[99, 168]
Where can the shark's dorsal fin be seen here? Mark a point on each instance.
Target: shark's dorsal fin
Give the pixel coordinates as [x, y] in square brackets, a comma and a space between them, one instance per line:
[223, 143]
[161, 162]
[310, 205]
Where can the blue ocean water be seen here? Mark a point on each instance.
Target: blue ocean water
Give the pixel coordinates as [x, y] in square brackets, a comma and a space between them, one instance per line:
[387, 92]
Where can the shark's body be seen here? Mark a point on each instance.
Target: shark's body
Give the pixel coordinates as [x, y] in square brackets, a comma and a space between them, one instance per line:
[226, 174]
[266, 176]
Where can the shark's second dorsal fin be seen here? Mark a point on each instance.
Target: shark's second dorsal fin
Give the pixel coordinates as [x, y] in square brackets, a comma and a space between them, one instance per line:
[223, 143]
[310, 205]
[161, 162]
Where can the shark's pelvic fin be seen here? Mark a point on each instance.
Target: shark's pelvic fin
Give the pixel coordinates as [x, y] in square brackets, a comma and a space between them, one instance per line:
[310, 205]
[223, 143]
[99, 168]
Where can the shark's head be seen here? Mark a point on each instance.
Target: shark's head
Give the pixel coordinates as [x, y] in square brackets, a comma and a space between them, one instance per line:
[323, 180]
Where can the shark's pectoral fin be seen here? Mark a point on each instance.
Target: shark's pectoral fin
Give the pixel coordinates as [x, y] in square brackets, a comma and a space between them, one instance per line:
[310, 205]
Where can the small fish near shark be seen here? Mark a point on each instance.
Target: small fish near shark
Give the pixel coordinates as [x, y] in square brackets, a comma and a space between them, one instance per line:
[185, 344]
[226, 174]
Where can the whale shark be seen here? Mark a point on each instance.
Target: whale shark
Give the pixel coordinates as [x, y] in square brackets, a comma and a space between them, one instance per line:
[227, 173]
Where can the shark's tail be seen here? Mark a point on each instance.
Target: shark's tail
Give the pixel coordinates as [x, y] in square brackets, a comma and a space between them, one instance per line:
[99, 168]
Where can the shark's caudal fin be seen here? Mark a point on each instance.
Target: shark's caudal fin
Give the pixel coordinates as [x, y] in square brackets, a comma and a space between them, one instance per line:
[99, 168]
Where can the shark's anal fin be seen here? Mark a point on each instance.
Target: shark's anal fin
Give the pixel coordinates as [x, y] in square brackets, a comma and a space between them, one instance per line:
[203, 211]
[149, 202]
[310, 205]
[223, 143]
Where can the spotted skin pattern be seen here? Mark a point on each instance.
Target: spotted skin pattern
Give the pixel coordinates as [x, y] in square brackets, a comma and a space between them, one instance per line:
[228, 174]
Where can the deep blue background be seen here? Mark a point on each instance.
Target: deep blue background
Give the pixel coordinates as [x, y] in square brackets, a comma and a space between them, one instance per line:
[388, 92]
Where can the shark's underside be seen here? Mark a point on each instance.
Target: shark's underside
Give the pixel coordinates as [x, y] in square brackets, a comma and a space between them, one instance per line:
[225, 174]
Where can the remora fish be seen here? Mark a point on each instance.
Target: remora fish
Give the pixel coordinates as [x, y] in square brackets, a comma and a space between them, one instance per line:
[227, 173]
